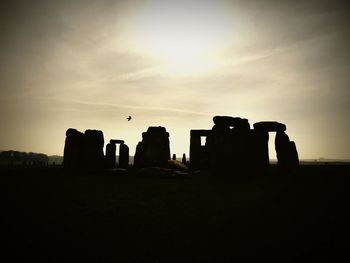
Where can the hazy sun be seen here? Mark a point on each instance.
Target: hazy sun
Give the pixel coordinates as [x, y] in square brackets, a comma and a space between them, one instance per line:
[185, 35]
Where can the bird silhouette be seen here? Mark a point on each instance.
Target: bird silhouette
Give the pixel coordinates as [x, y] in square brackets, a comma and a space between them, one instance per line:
[128, 118]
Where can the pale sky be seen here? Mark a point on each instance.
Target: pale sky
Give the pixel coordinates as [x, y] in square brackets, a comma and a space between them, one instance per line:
[90, 64]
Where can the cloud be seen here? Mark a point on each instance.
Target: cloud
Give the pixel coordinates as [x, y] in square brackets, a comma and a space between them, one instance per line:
[139, 108]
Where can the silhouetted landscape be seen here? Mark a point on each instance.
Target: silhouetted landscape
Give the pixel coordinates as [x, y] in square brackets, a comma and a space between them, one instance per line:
[52, 216]
[175, 131]
[162, 210]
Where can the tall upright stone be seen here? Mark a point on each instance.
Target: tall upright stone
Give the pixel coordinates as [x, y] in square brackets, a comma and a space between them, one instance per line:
[282, 146]
[184, 161]
[73, 157]
[228, 144]
[260, 156]
[123, 156]
[83, 150]
[293, 155]
[93, 153]
[198, 152]
[220, 149]
[261, 130]
[154, 149]
[110, 155]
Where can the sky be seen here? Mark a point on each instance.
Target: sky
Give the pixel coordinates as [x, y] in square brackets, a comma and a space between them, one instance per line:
[90, 64]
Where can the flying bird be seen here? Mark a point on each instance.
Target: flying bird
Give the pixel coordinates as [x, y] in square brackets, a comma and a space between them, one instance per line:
[128, 118]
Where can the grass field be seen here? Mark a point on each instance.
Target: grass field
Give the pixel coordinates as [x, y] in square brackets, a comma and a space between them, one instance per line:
[51, 216]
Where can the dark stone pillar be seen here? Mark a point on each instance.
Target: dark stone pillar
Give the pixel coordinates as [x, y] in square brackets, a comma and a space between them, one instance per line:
[220, 148]
[198, 152]
[195, 145]
[261, 154]
[184, 161]
[123, 156]
[154, 150]
[138, 161]
[282, 146]
[294, 158]
[73, 156]
[94, 156]
[110, 155]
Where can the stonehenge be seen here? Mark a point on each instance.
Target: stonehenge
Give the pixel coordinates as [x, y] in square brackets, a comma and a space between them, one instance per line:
[111, 148]
[85, 151]
[232, 146]
[73, 156]
[287, 155]
[110, 155]
[116, 141]
[270, 126]
[154, 149]
[198, 152]
[93, 149]
[227, 144]
[227, 122]
[261, 149]
[123, 156]
[184, 161]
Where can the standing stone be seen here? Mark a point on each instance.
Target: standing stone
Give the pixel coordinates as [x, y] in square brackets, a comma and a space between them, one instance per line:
[138, 154]
[93, 155]
[261, 130]
[110, 155]
[260, 156]
[154, 150]
[229, 145]
[83, 150]
[220, 147]
[73, 156]
[198, 152]
[184, 161]
[123, 156]
[293, 155]
[282, 146]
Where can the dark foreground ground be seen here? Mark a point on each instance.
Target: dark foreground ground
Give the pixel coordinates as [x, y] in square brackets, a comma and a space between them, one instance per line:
[51, 216]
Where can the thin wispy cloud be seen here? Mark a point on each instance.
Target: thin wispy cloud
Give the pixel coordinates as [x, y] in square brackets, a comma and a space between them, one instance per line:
[143, 108]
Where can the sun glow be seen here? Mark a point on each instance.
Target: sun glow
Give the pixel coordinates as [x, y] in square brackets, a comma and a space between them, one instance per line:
[185, 36]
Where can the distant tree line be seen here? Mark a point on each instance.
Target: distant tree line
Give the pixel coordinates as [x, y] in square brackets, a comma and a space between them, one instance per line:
[23, 158]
